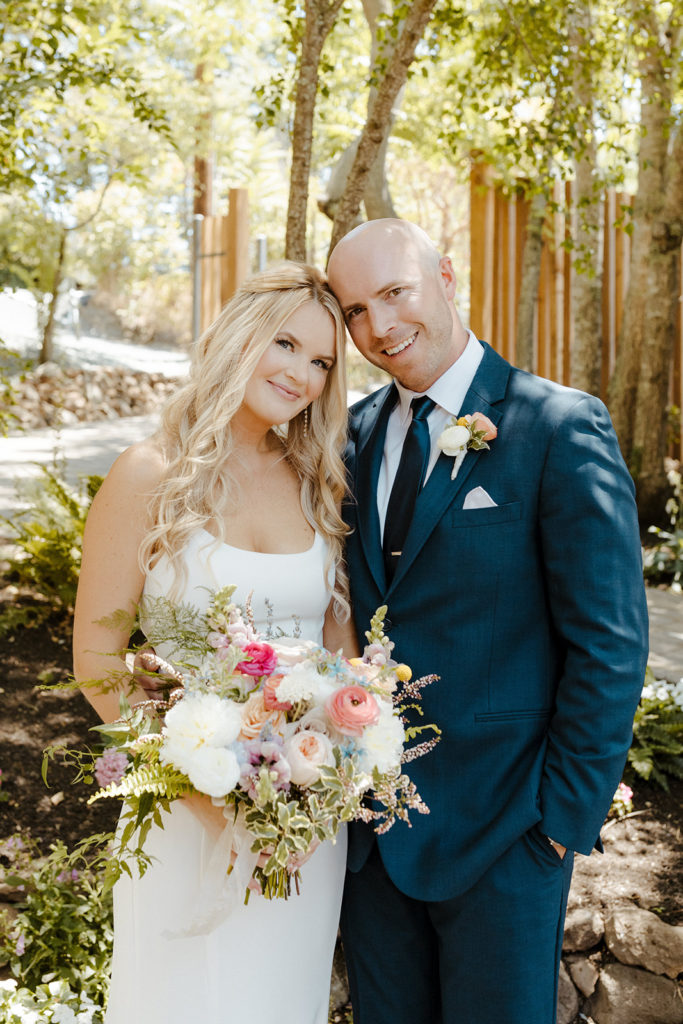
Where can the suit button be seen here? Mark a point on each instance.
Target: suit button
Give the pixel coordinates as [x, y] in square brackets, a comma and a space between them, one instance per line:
[388, 624]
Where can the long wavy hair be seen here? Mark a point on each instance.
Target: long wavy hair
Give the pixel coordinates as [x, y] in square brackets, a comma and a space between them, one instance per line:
[196, 437]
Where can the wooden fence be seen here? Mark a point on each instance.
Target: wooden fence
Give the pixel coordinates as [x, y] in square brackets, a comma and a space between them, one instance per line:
[221, 257]
[497, 233]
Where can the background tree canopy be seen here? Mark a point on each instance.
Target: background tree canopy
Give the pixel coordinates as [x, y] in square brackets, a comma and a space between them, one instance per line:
[119, 120]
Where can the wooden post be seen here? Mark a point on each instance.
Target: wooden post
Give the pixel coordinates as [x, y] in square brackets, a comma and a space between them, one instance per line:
[481, 250]
[567, 319]
[236, 238]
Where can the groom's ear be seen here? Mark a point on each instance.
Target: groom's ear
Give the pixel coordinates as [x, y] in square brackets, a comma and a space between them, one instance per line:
[447, 276]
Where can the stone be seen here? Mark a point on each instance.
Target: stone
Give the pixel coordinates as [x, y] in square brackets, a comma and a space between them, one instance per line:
[640, 938]
[583, 973]
[567, 998]
[583, 929]
[627, 995]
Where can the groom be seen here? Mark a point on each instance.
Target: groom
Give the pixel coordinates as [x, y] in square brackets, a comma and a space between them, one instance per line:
[519, 583]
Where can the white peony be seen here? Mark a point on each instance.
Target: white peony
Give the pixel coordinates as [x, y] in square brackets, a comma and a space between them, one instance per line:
[203, 719]
[301, 683]
[382, 744]
[212, 770]
[453, 440]
[305, 752]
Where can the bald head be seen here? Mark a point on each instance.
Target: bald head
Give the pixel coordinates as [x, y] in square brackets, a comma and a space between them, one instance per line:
[397, 295]
[383, 234]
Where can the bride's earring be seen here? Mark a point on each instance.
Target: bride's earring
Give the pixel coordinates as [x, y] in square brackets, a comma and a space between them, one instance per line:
[306, 422]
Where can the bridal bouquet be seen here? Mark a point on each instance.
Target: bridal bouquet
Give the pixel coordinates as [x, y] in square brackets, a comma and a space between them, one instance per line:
[286, 736]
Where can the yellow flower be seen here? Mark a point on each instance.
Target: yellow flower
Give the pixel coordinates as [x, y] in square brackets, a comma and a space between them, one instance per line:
[404, 673]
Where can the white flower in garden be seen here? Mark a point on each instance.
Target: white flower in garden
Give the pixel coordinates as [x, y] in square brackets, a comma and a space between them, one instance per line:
[382, 744]
[301, 683]
[63, 1015]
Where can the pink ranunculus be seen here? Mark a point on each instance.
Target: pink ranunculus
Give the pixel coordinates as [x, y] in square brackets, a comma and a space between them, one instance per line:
[110, 767]
[262, 660]
[270, 695]
[351, 709]
[482, 422]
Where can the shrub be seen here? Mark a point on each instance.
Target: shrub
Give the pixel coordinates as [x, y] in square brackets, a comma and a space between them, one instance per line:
[663, 561]
[49, 536]
[64, 930]
[657, 748]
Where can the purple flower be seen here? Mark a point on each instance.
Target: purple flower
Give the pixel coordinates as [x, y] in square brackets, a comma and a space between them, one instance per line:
[20, 946]
[259, 753]
[110, 767]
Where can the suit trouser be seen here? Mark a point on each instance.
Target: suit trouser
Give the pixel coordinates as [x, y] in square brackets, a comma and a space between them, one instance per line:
[488, 956]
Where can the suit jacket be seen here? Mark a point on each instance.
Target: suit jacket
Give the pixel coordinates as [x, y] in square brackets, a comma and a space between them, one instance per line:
[532, 613]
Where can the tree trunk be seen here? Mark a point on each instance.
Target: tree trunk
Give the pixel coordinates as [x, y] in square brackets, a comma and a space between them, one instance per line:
[376, 128]
[203, 162]
[47, 347]
[531, 275]
[377, 197]
[639, 389]
[586, 351]
[320, 17]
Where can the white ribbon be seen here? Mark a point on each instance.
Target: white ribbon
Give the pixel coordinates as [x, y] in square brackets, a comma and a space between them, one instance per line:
[458, 461]
[220, 892]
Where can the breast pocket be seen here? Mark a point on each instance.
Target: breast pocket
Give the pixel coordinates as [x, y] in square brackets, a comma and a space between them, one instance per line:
[493, 516]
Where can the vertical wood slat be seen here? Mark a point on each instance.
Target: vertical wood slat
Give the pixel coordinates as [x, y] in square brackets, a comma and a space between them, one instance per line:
[224, 255]
[481, 250]
[567, 319]
[498, 232]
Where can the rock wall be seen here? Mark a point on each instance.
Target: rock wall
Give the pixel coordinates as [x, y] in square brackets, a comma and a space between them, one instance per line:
[52, 396]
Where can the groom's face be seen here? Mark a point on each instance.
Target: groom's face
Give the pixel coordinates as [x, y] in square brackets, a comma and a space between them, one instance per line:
[397, 300]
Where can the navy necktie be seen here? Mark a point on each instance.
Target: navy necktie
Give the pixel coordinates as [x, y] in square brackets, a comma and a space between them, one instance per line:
[410, 477]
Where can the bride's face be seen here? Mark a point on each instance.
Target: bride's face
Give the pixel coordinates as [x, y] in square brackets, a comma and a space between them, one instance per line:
[292, 371]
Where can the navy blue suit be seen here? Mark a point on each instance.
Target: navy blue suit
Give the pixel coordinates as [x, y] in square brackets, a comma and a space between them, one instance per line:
[533, 614]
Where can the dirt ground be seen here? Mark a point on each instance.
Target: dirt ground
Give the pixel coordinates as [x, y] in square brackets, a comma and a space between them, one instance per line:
[643, 860]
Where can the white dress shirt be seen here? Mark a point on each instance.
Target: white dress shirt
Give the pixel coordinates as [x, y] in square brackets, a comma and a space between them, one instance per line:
[448, 392]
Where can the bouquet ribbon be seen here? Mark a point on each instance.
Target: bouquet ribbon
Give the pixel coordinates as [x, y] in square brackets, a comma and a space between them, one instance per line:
[220, 892]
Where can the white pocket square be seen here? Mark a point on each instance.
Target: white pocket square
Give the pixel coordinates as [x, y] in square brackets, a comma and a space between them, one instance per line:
[479, 498]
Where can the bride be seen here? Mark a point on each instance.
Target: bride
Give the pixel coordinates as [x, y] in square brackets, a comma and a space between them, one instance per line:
[241, 485]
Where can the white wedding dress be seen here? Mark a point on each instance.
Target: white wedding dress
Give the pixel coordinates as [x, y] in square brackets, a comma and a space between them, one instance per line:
[270, 960]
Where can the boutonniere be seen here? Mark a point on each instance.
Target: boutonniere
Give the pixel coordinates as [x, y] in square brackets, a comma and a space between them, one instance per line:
[463, 433]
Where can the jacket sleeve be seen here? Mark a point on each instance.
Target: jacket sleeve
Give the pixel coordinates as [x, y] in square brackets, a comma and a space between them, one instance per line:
[593, 568]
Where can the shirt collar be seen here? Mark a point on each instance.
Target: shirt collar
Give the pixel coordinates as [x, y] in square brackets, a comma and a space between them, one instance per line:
[449, 390]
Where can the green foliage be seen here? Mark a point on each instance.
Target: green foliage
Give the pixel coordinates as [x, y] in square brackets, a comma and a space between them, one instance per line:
[657, 748]
[64, 929]
[49, 536]
[663, 561]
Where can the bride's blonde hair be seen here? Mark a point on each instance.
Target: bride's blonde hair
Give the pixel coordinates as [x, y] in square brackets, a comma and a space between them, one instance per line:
[196, 436]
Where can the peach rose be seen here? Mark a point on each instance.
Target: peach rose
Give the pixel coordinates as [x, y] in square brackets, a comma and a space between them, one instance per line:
[351, 709]
[255, 714]
[306, 751]
[482, 422]
[270, 695]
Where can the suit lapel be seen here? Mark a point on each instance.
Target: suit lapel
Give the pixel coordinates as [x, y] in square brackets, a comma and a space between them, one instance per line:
[369, 450]
[485, 395]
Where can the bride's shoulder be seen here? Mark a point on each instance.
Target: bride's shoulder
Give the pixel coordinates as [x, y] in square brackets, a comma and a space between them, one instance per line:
[139, 468]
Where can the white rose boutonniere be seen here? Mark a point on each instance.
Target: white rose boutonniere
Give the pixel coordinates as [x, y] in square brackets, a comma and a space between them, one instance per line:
[463, 433]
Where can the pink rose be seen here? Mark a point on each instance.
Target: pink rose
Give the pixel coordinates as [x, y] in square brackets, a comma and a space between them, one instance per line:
[255, 715]
[306, 751]
[262, 660]
[351, 709]
[270, 695]
[482, 422]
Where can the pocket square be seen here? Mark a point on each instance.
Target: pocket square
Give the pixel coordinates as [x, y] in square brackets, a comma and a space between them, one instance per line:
[479, 498]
